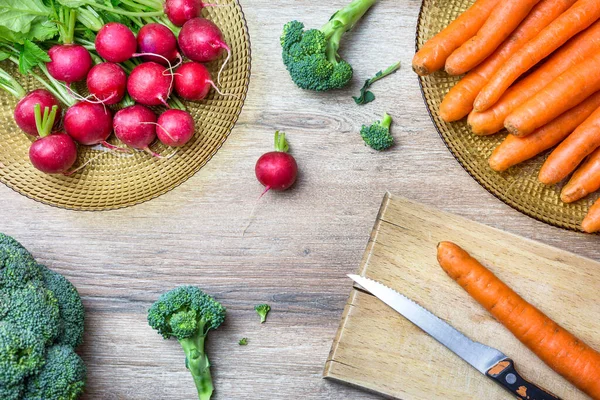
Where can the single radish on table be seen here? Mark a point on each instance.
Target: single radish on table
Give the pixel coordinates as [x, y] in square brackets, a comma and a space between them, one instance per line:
[25, 113]
[88, 123]
[175, 128]
[158, 43]
[51, 153]
[115, 42]
[202, 41]
[150, 84]
[193, 81]
[181, 11]
[107, 82]
[277, 170]
[136, 127]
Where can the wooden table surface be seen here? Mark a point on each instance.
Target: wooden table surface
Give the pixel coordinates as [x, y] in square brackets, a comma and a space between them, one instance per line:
[299, 247]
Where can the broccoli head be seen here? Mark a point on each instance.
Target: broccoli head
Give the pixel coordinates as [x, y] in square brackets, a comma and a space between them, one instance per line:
[187, 314]
[11, 392]
[311, 56]
[262, 310]
[21, 354]
[62, 377]
[70, 307]
[378, 136]
[17, 266]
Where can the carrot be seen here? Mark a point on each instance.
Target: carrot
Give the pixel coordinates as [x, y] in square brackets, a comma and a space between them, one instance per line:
[581, 15]
[432, 56]
[572, 53]
[591, 222]
[503, 20]
[514, 150]
[584, 181]
[458, 103]
[559, 349]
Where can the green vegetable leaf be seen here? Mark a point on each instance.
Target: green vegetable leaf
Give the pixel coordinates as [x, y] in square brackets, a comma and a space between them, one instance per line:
[243, 342]
[30, 56]
[73, 3]
[18, 15]
[367, 96]
[3, 55]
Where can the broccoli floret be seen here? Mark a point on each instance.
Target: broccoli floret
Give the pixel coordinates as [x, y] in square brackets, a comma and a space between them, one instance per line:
[12, 392]
[187, 314]
[378, 135]
[31, 308]
[262, 310]
[17, 266]
[62, 377]
[311, 56]
[21, 354]
[70, 307]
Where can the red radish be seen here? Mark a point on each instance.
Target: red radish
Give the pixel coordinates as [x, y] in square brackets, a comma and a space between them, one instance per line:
[107, 82]
[157, 39]
[24, 111]
[136, 127]
[150, 84]
[88, 123]
[52, 154]
[69, 62]
[115, 42]
[180, 11]
[201, 40]
[193, 81]
[175, 128]
[277, 170]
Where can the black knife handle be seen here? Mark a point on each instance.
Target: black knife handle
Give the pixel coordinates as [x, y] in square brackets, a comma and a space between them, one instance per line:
[507, 376]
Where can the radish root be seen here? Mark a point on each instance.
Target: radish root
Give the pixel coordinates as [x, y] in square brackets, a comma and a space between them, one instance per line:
[223, 45]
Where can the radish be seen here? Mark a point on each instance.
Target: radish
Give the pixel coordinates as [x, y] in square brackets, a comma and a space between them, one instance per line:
[107, 82]
[25, 113]
[157, 39]
[52, 154]
[193, 81]
[135, 126]
[69, 62]
[175, 128]
[150, 84]
[115, 42]
[88, 123]
[180, 11]
[201, 40]
[277, 170]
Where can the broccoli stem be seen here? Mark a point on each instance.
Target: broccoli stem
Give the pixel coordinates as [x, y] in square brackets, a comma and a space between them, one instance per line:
[386, 122]
[340, 23]
[198, 364]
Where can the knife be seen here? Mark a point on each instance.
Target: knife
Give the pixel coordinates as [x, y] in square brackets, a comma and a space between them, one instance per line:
[487, 360]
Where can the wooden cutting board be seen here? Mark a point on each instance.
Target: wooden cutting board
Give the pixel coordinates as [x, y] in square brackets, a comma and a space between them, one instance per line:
[377, 349]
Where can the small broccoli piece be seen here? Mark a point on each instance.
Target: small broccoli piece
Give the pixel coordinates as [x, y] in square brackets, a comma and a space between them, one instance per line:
[243, 341]
[70, 307]
[17, 266]
[31, 308]
[187, 314]
[378, 135]
[262, 310]
[62, 377]
[21, 354]
[311, 56]
[12, 392]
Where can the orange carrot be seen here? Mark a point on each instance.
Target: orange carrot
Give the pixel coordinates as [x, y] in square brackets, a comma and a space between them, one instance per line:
[563, 93]
[432, 56]
[572, 53]
[458, 103]
[503, 20]
[584, 181]
[514, 150]
[591, 222]
[559, 349]
[581, 15]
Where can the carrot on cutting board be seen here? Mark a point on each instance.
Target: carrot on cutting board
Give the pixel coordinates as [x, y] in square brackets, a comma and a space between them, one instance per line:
[591, 222]
[432, 56]
[458, 103]
[577, 18]
[503, 20]
[563, 93]
[572, 53]
[584, 181]
[572, 151]
[559, 349]
[514, 150]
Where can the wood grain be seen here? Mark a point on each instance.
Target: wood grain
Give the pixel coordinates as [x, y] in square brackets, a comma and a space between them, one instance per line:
[377, 349]
[301, 244]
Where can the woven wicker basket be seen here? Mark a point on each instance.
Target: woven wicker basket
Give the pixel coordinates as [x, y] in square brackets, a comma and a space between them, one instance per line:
[518, 187]
[111, 180]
